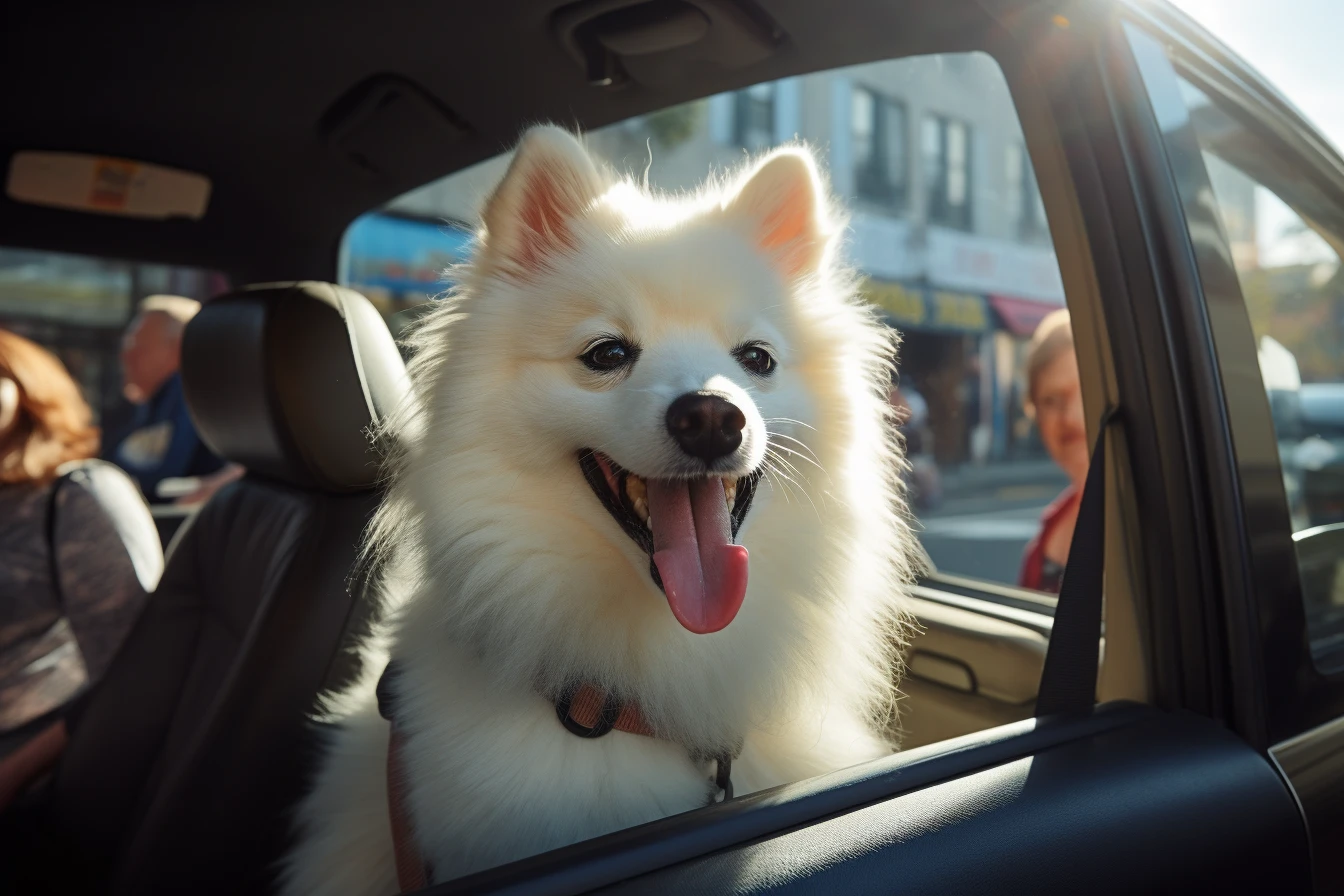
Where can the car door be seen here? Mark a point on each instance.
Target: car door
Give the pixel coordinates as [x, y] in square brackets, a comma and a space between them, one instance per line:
[1263, 197]
[1174, 789]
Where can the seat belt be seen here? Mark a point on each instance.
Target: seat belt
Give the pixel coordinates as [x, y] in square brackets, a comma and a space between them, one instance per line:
[1069, 677]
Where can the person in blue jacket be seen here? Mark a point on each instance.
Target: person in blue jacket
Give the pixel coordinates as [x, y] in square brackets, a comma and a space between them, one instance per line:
[161, 442]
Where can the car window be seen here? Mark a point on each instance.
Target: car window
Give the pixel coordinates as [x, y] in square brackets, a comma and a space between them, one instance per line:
[947, 228]
[78, 307]
[1286, 251]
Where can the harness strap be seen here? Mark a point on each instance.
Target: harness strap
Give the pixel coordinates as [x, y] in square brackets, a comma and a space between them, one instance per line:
[412, 874]
[586, 711]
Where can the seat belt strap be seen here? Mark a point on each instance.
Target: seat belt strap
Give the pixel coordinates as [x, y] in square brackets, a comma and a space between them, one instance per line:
[1069, 677]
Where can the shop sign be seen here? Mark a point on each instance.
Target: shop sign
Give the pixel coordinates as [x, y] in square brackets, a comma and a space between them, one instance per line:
[979, 264]
[917, 308]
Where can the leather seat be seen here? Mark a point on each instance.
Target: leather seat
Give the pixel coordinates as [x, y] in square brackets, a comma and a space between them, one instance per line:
[119, 498]
[188, 757]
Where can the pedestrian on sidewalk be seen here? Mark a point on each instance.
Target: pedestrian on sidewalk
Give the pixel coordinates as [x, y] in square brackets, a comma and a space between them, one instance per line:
[1055, 403]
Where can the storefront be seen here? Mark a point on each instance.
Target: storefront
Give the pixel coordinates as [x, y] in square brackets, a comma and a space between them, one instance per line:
[944, 334]
[1011, 286]
[965, 353]
[1017, 319]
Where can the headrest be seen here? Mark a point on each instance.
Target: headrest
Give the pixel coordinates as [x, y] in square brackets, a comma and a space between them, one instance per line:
[289, 379]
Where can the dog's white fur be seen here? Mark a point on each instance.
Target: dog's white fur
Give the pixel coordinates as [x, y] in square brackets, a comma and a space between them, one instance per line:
[505, 578]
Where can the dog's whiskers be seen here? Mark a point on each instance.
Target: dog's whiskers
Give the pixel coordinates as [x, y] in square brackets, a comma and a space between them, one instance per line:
[789, 485]
[795, 479]
[807, 454]
[770, 420]
[797, 441]
[771, 471]
[784, 462]
[810, 457]
[774, 462]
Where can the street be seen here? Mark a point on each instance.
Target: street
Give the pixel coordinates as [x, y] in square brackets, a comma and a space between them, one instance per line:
[982, 535]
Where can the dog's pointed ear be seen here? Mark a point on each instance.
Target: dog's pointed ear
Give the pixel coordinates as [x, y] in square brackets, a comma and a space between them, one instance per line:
[550, 182]
[783, 201]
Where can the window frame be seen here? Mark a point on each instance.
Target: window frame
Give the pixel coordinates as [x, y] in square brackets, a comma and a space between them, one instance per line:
[1047, 119]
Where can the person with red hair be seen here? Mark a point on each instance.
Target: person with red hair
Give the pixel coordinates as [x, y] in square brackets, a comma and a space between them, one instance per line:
[75, 562]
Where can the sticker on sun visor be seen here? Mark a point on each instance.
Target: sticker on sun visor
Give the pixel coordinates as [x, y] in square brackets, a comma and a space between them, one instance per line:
[106, 185]
[112, 180]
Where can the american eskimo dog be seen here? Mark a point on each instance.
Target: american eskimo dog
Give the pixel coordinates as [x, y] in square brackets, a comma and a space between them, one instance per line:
[650, 458]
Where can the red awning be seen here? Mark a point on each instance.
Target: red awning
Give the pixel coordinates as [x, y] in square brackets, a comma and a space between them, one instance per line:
[1021, 316]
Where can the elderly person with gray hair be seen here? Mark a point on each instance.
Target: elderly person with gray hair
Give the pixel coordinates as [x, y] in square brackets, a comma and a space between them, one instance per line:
[161, 442]
[1055, 402]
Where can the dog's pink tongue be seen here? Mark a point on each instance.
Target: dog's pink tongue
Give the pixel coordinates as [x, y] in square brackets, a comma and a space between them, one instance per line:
[704, 574]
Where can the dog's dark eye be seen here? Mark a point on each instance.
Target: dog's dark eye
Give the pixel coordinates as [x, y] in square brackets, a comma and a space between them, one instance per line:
[755, 359]
[608, 355]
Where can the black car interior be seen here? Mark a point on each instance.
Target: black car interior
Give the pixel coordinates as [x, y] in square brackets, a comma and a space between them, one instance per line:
[185, 761]
[207, 703]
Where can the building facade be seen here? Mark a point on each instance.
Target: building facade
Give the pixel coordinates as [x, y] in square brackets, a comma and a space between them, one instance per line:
[947, 223]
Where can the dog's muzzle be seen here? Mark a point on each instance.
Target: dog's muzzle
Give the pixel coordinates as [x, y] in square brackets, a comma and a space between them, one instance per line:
[688, 528]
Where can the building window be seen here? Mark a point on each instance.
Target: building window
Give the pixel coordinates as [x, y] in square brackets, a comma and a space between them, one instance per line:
[947, 171]
[879, 147]
[754, 116]
[1026, 210]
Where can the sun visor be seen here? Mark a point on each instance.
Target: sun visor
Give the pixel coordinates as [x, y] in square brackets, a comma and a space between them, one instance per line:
[106, 186]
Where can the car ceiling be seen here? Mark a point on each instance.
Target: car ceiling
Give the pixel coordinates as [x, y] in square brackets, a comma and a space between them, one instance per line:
[245, 93]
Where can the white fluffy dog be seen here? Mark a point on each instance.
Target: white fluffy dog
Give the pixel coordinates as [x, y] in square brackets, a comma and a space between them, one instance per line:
[650, 457]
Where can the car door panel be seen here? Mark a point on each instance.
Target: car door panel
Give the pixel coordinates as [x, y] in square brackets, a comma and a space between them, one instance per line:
[973, 665]
[1127, 800]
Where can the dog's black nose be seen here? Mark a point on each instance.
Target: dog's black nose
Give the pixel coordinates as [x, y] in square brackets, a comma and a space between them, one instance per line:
[706, 425]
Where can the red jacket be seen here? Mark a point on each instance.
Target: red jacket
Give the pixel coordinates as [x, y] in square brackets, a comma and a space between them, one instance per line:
[1033, 557]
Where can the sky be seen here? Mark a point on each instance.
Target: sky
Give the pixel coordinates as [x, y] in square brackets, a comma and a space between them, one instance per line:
[1295, 45]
